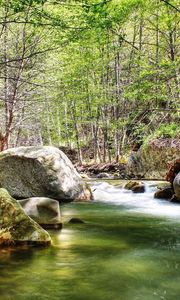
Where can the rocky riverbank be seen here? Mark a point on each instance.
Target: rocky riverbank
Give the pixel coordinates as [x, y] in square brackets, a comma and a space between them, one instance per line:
[34, 181]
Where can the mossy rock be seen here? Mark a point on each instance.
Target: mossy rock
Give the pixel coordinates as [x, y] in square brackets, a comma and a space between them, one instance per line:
[15, 226]
[163, 185]
[130, 184]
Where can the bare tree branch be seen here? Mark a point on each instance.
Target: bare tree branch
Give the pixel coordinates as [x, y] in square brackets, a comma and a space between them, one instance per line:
[28, 56]
[168, 3]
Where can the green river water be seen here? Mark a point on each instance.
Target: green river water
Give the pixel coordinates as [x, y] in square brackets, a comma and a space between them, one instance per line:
[123, 251]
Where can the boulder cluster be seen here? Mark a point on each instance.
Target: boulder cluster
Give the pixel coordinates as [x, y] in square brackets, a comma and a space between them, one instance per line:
[33, 183]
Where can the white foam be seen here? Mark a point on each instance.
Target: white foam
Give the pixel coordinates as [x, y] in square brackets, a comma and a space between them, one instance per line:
[140, 203]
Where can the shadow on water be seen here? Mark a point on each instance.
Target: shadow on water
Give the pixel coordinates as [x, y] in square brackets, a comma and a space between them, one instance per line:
[116, 254]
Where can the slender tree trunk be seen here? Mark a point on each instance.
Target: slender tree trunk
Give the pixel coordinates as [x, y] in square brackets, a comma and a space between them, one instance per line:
[77, 133]
[58, 124]
[172, 50]
[48, 124]
[66, 125]
[117, 107]
[157, 54]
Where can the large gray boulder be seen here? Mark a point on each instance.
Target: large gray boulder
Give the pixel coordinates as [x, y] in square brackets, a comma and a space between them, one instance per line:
[176, 185]
[44, 211]
[42, 171]
[15, 226]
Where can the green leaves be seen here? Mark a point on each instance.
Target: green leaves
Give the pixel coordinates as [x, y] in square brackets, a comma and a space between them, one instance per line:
[20, 6]
[113, 60]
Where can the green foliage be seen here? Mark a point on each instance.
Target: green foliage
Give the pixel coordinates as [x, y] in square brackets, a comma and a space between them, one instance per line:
[167, 131]
[163, 131]
[113, 73]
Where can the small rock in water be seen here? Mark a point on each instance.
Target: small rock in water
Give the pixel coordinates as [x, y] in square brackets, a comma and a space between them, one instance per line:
[44, 211]
[140, 188]
[130, 184]
[165, 193]
[76, 221]
[135, 186]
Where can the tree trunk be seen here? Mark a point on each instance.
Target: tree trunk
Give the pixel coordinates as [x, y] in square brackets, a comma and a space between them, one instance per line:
[77, 133]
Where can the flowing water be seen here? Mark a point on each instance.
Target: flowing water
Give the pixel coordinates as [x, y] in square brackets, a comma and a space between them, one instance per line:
[127, 249]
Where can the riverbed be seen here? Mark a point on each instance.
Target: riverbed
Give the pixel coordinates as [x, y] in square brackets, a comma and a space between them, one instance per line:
[128, 248]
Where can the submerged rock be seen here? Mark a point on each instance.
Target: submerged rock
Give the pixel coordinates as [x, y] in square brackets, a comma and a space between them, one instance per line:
[15, 226]
[76, 221]
[41, 171]
[44, 211]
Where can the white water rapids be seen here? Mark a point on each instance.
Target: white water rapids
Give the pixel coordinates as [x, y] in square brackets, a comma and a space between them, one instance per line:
[140, 203]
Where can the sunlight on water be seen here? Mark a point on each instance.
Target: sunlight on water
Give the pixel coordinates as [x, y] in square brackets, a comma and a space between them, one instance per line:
[125, 250]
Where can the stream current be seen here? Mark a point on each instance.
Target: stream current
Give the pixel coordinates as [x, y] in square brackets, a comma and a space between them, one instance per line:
[127, 249]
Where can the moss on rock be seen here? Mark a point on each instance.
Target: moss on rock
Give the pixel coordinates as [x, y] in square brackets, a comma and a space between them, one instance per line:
[16, 226]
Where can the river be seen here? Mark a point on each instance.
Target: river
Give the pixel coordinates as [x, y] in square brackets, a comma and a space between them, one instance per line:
[127, 249]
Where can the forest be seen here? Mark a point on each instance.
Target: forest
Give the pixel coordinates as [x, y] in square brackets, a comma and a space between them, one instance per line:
[89, 150]
[98, 76]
